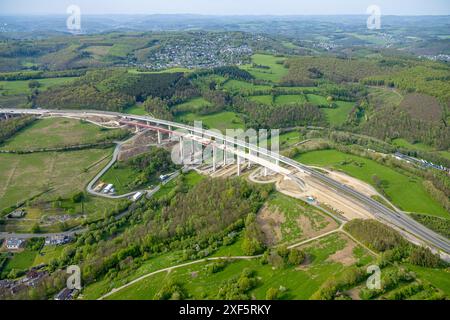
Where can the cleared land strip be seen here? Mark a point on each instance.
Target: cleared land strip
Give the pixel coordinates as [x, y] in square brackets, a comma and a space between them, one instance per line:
[56, 149]
[176, 267]
[8, 181]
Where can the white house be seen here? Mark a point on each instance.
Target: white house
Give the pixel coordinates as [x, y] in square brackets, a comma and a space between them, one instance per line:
[14, 243]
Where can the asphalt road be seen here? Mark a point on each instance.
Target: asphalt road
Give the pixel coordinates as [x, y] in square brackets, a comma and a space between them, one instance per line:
[398, 219]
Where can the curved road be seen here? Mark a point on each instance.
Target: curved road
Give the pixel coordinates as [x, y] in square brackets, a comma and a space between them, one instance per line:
[91, 184]
[381, 212]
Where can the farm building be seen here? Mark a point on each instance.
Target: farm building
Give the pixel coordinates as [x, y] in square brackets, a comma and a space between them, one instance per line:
[57, 240]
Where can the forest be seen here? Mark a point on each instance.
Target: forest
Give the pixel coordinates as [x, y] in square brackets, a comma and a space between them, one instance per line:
[194, 219]
[111, 90]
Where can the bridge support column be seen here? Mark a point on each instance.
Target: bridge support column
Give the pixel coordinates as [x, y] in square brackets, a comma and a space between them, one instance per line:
[181, 150]
[238, 166]
[214, 158]
[170, 133]
[159, 137]
[266, 172]
[225, 156]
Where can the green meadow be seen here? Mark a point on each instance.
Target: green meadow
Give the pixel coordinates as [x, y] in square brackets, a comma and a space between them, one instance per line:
[56, 132]
[137, 110]
[220, 121]
[121, 177]
[192, 105]
[273, 71]
[412, 146]
[21, 86]
[244, 87]
[62, 173]
[20, 261]
[339, 115]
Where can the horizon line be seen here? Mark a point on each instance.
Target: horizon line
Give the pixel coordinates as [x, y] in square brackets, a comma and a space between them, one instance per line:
[223, 15]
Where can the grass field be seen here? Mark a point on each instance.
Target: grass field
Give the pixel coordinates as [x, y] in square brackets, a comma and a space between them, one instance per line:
[121, 177]
[286, 140]
[56, 132]
[265, 99]
[192, 105]
[384, 97]
[300, 283]
[317, 100]
[98, 51]
[405, 192]
[280, 100]
[290, 138]
[275, 71]
[24, 176]
[290, 99]
[47, 254]
[21, 86]
[244, 87]
[338, 116]
[416, 146]
[192, 178]
[20, 261]
[220, 121]
[335, 116]
[439, 278]
[137, 110]
[46, 206]
[445, 154]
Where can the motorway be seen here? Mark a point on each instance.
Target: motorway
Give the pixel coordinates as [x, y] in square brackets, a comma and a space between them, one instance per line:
[397, 219]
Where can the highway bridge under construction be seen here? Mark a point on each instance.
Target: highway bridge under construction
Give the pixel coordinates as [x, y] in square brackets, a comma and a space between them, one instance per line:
[241, 151]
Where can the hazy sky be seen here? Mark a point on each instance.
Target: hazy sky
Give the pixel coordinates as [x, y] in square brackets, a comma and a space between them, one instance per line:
[227, 7]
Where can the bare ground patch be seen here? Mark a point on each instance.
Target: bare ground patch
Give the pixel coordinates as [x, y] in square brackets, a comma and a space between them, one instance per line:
[354, 293]
[345, 256]
[422, 107]
[270, 222]
[311, 228]
[305, 264]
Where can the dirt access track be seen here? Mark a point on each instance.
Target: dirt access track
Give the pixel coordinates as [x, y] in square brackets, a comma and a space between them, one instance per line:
[327, 196]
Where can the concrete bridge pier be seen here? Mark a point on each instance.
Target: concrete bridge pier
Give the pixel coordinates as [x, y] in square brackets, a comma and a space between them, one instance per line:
[193, 147]
[214, 159]
[225, 156]
[181, 150]
[159, 137]
[238, 166]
